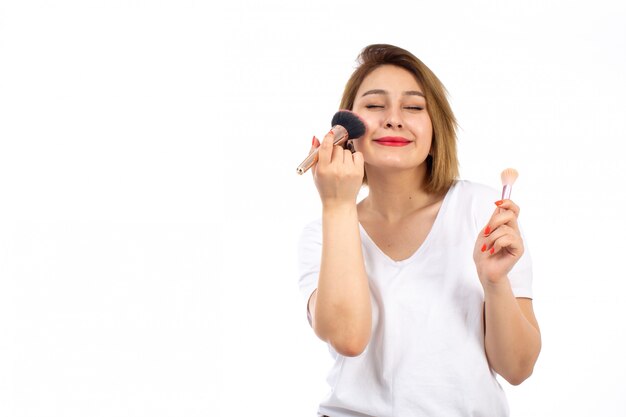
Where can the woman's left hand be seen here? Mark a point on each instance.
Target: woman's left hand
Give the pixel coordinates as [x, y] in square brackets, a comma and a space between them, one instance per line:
[499, 244]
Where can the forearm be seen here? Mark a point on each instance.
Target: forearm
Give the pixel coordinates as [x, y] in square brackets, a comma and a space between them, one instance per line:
[512, 342]
[343, 307]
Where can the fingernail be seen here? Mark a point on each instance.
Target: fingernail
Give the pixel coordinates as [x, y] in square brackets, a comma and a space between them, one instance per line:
[499, 202]
[492, 251]
[313, 141]
[484, 248]
[487, 230]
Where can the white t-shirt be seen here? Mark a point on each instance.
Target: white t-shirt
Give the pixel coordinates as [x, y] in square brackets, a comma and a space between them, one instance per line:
[426, 356]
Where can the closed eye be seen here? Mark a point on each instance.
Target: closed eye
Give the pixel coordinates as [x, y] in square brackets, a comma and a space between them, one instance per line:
[414, 108]
[374, 106]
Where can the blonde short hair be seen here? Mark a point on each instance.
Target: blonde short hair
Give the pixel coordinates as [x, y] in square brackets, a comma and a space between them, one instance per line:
[443, 165]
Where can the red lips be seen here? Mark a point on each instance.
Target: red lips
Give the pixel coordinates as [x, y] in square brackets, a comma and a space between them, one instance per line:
[392, 141]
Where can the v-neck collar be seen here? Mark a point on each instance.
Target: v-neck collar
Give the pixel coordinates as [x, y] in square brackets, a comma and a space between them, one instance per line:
[429, 237]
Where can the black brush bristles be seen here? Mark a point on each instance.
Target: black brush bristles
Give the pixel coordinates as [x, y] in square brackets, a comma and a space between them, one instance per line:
[351, 122]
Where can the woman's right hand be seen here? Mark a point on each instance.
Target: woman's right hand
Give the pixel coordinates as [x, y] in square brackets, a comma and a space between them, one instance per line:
[338, 173]
[341, 307]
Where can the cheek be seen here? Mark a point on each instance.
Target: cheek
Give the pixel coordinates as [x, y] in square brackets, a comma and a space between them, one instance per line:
[370, 127]
[371, 121]
[423, 128]
[423, 123]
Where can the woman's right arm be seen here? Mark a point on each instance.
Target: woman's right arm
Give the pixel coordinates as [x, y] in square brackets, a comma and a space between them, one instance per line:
[340, 307]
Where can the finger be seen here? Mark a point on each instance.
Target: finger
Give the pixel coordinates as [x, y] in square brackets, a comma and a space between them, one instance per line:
[326, 149]
[506, 217]
[359, 164]
[497, 234]
[347, 158]
[508, 205]
[509, 243]
[486, 240]
[337, 154]
[315, 143]
[499, 218]
[357, 157]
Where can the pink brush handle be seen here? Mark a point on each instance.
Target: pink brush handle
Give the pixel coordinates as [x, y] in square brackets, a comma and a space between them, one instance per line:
[506, 192]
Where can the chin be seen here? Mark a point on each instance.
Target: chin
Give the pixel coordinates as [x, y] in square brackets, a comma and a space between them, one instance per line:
[392, 167]
[392, 162]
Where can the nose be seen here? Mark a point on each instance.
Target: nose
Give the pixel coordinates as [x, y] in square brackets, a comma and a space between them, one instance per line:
[394, 119]
[391, 124]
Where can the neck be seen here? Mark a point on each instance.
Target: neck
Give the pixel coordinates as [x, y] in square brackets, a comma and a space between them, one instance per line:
[395, 196]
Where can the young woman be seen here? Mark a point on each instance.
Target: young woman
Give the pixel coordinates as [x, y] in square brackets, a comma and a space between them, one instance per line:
[422, 290]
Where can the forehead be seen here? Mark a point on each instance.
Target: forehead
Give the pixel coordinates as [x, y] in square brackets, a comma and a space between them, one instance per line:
[390, 78]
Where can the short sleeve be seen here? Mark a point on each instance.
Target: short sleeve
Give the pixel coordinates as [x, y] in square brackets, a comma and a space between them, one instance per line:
[521, 275]
[309, 259]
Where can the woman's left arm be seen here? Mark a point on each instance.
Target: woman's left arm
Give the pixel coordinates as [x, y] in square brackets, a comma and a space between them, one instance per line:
[512, 336]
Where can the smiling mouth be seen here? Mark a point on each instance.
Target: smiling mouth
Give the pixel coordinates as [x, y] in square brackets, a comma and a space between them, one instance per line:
[392, 141]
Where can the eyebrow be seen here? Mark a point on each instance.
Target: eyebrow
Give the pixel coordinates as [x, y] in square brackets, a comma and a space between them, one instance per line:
[406, 93]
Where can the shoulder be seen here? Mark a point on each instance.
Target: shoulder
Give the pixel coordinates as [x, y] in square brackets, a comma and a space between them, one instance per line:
[474, 191]
[473, 200]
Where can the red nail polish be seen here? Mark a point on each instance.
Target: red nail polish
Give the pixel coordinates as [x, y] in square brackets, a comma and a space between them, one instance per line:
[499, 203]
[492, 251]
[484, 248]
[313, 142]
[487, 230]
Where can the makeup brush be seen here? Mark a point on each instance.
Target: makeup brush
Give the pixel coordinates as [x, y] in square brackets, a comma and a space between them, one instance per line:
[508, 176]
[345, 125]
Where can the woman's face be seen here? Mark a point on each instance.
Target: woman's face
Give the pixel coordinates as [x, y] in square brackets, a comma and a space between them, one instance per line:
[399, 131]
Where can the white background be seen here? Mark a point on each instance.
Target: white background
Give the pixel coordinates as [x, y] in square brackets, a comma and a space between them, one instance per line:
[149, 206]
